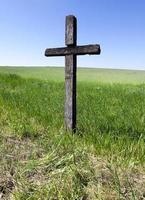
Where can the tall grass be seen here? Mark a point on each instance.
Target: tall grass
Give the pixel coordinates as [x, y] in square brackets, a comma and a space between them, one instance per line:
[39, 160]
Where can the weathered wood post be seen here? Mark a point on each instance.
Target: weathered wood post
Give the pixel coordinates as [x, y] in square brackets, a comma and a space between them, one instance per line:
[70, 52]
[70, 74]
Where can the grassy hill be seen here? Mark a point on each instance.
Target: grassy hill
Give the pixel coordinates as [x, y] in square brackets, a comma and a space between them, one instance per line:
[84, 74]
[105, 159]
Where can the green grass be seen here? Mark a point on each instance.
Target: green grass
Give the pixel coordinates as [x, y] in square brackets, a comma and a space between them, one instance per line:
[105, 159]
[84, 74]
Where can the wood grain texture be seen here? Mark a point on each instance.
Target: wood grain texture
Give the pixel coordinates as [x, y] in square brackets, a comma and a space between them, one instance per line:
[75, 50]
[71, 30]
[70, 73]
[70, 91]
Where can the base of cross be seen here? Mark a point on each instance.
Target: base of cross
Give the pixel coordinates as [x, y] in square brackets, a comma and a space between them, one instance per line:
[70, 52]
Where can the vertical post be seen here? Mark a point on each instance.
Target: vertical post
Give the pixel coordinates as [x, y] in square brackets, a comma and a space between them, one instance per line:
[70, 74]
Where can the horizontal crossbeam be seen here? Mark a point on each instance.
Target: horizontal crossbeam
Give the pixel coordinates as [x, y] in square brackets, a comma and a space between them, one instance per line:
[76, 50]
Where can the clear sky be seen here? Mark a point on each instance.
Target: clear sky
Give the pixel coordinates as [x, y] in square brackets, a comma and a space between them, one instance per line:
[30, 26]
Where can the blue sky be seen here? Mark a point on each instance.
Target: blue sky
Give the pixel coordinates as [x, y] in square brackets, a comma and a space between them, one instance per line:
[30, 26]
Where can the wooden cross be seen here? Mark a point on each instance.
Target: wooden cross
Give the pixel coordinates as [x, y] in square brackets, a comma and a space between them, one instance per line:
[70, 52]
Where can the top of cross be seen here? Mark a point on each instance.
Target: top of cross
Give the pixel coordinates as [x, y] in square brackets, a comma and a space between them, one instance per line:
[71, 42]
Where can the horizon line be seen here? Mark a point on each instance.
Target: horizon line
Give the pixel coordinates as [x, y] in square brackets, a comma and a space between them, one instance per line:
[46, 66]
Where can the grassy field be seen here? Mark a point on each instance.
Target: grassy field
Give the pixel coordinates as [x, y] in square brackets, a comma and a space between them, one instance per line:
[104, 160]
[84, 74]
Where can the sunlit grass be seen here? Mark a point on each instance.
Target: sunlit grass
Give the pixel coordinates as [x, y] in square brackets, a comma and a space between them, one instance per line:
[83, 74]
